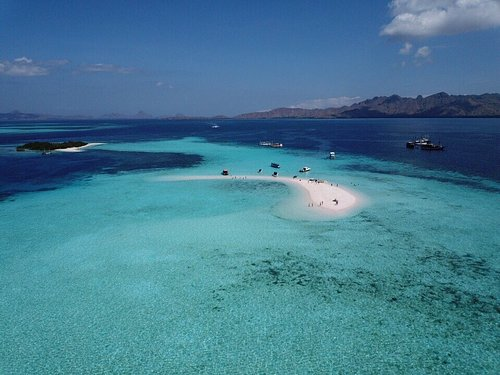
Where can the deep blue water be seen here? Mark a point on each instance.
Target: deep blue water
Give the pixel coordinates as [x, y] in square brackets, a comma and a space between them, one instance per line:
[472, 146]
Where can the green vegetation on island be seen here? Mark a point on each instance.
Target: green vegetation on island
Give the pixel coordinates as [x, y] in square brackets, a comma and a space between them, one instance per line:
[50, 146]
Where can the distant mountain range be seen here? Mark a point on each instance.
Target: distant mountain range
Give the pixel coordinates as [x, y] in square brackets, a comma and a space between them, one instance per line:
[437, 105]
[21, 116]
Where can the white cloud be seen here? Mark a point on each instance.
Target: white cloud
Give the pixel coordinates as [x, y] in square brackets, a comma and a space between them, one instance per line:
[327, 102]
[427, 18]
[164, 85]
[406, 49]
[422, 56]
[23, 67]
[423, 52]
[26, 67]
[23, 60]
[106, 68]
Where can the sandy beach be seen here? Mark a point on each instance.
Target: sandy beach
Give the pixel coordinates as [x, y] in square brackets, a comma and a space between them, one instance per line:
[78, 149]
[321, 197]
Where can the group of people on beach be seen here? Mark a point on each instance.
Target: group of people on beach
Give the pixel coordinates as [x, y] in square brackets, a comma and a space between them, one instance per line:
[313, 180]
[322, 202]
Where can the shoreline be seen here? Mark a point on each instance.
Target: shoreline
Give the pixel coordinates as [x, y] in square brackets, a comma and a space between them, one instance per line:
[77, 149]
[318, 198]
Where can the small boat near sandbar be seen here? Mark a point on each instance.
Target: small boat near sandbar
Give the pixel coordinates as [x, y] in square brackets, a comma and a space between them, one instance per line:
[332, 155]
[304, 169]
[275, 165]
[270, 144]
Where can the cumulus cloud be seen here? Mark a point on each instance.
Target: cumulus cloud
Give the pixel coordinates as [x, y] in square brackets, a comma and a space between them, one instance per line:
[327, 102]
[105, 68]
[427, 18]
[22, 67]
[406, 49]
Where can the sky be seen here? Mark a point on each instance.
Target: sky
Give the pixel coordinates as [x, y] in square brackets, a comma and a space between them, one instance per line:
[226, 57]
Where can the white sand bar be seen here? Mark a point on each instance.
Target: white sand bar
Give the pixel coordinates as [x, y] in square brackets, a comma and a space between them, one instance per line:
[78, 149]
[317, 198]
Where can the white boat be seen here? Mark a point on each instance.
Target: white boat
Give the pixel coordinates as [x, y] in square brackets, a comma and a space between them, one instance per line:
[304, 169]
[270, 144]
[332, 155]
[422, 141]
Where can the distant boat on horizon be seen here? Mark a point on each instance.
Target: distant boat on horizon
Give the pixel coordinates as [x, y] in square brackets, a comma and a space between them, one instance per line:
[424, 143]
[432, 147]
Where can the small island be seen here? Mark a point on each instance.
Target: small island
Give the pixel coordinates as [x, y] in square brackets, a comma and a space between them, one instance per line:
[50, 146]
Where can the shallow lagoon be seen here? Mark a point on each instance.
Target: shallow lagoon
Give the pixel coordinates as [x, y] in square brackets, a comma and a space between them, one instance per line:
[122, 272]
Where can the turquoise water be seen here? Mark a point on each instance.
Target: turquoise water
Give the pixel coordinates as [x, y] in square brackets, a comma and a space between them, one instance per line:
[128, 273]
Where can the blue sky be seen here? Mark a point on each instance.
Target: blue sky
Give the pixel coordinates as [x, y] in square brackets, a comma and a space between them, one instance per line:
[230, 57]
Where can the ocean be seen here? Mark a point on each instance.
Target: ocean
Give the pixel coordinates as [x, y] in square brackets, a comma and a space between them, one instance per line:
[109, 267]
